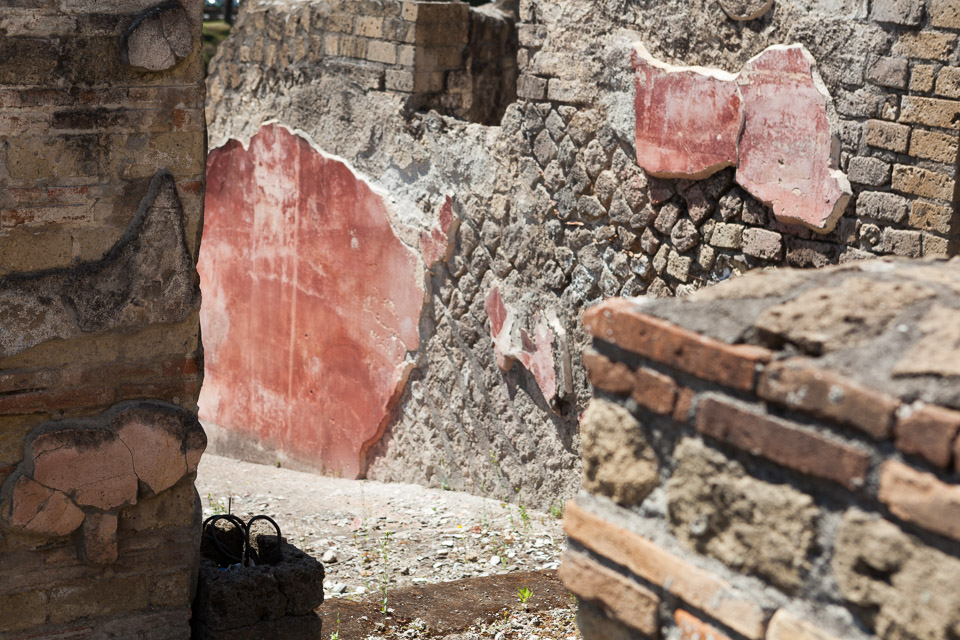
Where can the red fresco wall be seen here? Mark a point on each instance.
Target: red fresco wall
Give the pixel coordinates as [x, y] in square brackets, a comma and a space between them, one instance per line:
[310, 302]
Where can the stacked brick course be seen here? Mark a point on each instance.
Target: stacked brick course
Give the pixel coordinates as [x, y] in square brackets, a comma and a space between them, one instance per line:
[102, 144]
[805, 493]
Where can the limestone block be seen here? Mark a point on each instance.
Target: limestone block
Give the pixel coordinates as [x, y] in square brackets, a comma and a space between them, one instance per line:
[742, 10]
[618, 460]
[754, 526]
[914, 588]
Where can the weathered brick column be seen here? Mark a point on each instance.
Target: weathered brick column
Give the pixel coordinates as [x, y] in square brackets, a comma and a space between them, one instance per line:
[101, 190]
[775, 457]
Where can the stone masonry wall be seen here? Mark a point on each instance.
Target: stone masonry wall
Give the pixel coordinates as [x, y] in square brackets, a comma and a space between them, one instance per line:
[101, 191]
[775, 457]
[555, 210]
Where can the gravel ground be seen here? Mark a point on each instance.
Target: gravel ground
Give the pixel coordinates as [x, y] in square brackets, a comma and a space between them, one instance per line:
[374, 538]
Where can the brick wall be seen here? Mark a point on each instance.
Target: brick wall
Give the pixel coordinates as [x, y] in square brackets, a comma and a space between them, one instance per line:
[101, 187]
[775, 457]
[439, 55]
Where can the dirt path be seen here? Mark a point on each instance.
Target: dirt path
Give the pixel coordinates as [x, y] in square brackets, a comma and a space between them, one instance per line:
[378, 540]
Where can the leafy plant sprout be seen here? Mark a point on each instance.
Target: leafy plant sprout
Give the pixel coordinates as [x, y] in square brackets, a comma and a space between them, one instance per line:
[524, 594]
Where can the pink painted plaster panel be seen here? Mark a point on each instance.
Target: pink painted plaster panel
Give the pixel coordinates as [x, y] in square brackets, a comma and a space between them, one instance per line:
[311, 302]
[770, 121]
[786, 148]
[688, 118]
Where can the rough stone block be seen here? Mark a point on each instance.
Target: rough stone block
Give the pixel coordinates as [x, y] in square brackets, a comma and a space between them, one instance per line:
[531, 87]
[618, 460]
[869, 171]
[902, 242]
[22, 610]
[944, 13]
[904, 583]
[931, 217]
[727, 235]
[934, 246]
[888, 72]
[887, 135]
[380, 51]
[761, 243]
[887, 207]
[782, 442]
[755, 527]
[920, 498]
[932, 112]
[623, 599]
[921, 78]
[934, 145]
[922, 182]
[926, 45]
[906, 12]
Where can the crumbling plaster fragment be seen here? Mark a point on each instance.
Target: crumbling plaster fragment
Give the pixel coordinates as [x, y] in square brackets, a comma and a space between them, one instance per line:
[75, 470]
[147, 277]
[544, 354]
[159, 37]
[772, 121]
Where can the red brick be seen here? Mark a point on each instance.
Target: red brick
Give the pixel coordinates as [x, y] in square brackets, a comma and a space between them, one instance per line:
[608, 375]
[920, 498]
[782, 442]
[46, 401]
[928, 432]
[693, 628]
[802, 387]
[620, 322]
[695, 586]
[622, 598]
[655, 391]
[681, 412]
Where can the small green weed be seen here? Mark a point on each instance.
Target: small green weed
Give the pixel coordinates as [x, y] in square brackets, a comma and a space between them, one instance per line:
[524, 594]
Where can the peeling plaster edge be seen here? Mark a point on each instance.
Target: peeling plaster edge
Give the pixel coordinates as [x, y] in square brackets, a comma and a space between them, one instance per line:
[391, 203]
[640, 51]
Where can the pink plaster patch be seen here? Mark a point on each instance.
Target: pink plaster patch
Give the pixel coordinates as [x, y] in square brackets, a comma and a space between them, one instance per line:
[158, 459]
[311, 302]
[786, 146]
[688, 118]
[43, 511]
[92, 466]
[437, 245]
[537, 357]
[510, 345]
[770, 121]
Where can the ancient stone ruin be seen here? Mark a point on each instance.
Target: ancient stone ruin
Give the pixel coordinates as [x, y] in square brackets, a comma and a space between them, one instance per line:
[435, 237]
[101, 189]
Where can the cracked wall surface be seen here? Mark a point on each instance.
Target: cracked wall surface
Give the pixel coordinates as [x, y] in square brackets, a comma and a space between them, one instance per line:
[555, 212]
[101, 191]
